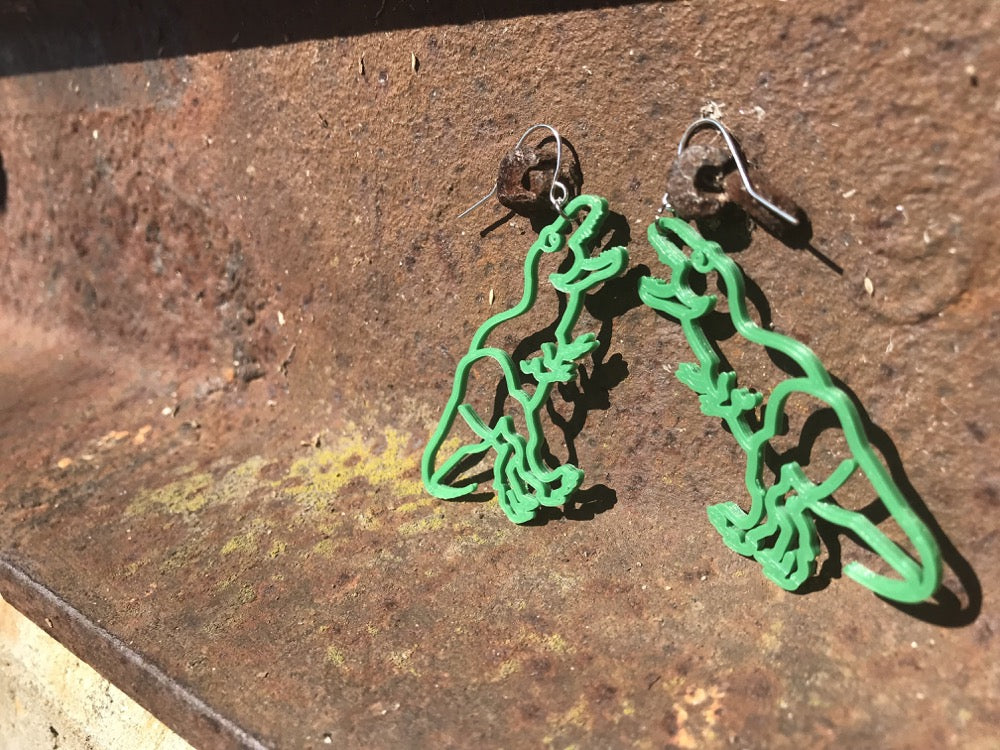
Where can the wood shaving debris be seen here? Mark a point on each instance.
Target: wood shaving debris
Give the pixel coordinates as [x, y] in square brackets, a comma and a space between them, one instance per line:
[713, 110]
[111, 438]
[283, 367]
[315, 441]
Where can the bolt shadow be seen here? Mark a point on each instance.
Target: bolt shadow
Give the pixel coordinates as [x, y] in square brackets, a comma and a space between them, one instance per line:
[949, 608]
[591, 391]
[731, 228]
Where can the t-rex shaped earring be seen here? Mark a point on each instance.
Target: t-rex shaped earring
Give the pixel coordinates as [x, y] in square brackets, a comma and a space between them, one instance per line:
[779, 529]
[522, 480]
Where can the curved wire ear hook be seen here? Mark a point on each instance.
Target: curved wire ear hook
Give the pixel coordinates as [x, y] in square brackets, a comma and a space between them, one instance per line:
[708, 122]
[557, 200]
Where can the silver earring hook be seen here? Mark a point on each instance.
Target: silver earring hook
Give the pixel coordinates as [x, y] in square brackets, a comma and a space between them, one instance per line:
[708, 122]
[557, 201]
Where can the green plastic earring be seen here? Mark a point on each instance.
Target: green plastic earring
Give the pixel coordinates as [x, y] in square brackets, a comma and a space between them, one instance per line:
[522, 480]
[779, 529]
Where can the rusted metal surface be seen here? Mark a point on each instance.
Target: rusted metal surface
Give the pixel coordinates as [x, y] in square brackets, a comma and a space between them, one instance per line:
[233, 296]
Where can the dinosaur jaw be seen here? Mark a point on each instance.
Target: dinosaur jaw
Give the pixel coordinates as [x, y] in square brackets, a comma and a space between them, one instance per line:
[591, 271]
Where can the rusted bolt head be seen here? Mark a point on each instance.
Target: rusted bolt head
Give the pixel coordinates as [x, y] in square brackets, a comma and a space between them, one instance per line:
[526, 174]
[703, 181]
[695, 182]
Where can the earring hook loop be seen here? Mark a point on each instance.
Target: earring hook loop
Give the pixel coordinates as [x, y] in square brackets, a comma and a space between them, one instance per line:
[708, 122]
[556, 200]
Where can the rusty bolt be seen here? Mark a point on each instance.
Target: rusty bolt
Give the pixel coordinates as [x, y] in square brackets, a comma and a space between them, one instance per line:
[695, 181]
[703, 181]
[526, 174]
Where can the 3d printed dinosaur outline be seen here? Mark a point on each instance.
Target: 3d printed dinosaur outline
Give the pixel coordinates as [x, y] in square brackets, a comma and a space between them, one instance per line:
[520, 477]
[779, 530]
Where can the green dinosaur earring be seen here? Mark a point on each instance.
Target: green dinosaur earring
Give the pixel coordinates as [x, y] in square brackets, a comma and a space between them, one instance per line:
[779, 529]
[522, 480]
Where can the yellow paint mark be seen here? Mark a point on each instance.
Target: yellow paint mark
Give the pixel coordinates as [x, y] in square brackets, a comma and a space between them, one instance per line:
[416, 504]
[246, 542]
[400, 660]
[423, 525]
[247, 594]
[771, 641]
[335, 656]
[506, 669]
[183, 496]
[554, 643]
[557, 644]
[326, 471]
[238, 542]
[131, 569]
[324, 547]
[180, 557]
[192, 493]
[368, 522]
[578, 715]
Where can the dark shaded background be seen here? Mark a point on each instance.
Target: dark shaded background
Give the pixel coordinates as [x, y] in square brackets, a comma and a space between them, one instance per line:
[38, 35]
